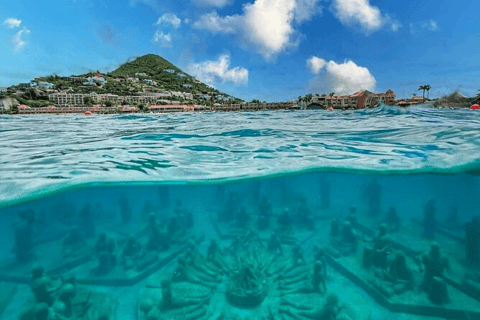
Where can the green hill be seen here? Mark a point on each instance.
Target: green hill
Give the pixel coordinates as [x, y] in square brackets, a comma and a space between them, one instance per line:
[167, 76]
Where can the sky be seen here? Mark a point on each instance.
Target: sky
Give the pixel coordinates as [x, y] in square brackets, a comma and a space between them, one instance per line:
[273, 50]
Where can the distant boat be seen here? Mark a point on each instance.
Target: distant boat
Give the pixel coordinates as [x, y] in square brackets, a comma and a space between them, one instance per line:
[88, 113]
[475, 107]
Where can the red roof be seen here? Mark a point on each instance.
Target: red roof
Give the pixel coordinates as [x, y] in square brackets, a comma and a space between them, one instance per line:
[22, 107]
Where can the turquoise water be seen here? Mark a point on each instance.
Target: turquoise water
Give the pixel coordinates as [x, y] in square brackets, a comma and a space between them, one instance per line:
[109, 174]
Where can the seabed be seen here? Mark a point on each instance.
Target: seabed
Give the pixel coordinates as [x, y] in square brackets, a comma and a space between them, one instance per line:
[234, 264]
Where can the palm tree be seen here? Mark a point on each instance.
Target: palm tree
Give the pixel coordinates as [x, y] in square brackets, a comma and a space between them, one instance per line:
[428, 87]
[414, 94]
[331, 94]
[423, 88]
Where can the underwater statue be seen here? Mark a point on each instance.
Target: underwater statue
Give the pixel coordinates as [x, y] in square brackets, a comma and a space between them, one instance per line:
[158, 239]
[213, 252]
[303, 283]
[373, 194]
[42, 286]
[284, 221]
[87, 221]
[242, 217]
[392, 220]
[343, 241]
[184, 273]
[184, 216]
[274, 244]
[352, 215]
[105, 252]
[429, 221]
[434, 263]
[324, 193]
[147, 209]
[23, 247]
[125, 208]
[250, 237]
[397, 279]
[376, 254]
[264, 213]
[331, 310]
[164, 196]
[304, 215]
[169, 306]
[229, 211]
[472, 241]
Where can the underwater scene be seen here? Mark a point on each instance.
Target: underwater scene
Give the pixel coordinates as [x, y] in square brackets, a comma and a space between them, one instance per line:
[371, 214]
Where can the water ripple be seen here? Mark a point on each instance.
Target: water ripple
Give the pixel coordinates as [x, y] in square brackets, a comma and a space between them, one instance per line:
[44, 150]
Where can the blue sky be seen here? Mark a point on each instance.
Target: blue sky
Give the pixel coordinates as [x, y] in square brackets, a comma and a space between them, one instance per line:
[264, 49]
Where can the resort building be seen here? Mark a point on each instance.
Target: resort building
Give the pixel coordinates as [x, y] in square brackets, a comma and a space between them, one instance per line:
[141, 74]
[104, 97]
[172, 108]
[358, 100]
[3, 89]
[151, 82]
[66, 99]
[132, 79]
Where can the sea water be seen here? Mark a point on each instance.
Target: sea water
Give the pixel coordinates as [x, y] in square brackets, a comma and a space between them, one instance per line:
[79, 173]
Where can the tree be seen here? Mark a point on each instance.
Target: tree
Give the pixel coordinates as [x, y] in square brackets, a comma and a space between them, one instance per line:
[414, 94]
[309, 97]
[331, 94]
[428, 87]
[108, 103]
[88, 100]
[141, 106]
[424, 88]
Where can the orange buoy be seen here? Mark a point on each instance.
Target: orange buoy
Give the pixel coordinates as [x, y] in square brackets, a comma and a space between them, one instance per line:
[88, 113]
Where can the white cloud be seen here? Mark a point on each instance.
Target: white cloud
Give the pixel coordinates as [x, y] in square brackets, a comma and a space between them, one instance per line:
[358, 13]
[394, 25]
[213, 3]
[266, 26]
[315, 64]
[216, 24]
[419, 28]
[215, 71]
[341, 78]
[430, 25]
[163, 39]
[306, 10]
[18, 40]
[12, 23]
[169, 19]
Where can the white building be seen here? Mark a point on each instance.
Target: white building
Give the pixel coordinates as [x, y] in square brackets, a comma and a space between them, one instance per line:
[151, 82]
[66, 99]
[141, 74]
[3, 89]
[170, 71]
[46, 85]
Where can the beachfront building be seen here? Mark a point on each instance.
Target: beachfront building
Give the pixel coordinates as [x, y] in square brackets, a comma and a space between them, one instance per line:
[104, 97]
[66, 99]
[171, 108]
[358, 100]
